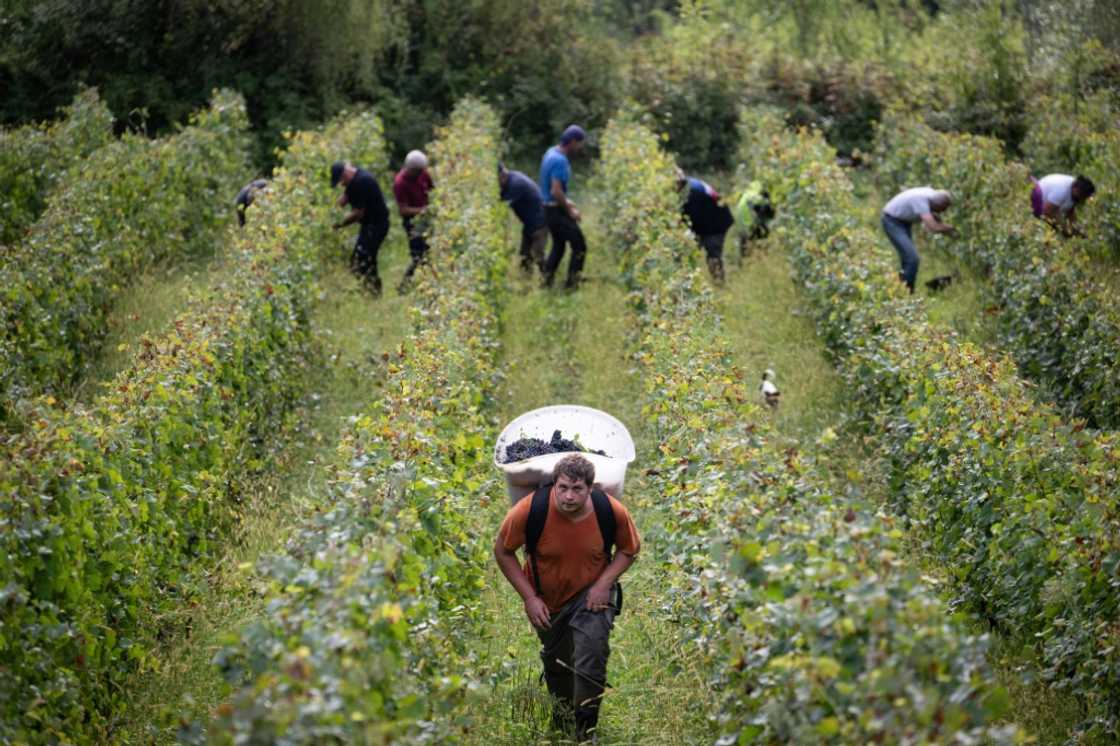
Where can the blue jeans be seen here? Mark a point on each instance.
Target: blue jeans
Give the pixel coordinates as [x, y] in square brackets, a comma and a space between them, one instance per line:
[899, 234]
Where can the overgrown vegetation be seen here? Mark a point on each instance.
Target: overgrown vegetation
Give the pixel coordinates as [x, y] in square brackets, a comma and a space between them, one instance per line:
[371, 602]
[1058, 321]
[1014, 503]
[975, 65]
[815, 628]
[109, 506]
[131, 203]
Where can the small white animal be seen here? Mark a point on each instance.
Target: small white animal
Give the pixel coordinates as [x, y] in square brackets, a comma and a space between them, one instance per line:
[770, 393]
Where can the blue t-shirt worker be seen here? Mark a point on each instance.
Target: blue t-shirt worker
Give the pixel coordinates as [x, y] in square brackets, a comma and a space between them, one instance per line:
[561, 214]
[524, 198]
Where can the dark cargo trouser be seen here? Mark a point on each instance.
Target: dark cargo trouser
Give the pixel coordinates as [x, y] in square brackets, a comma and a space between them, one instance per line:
[564, 230]
[417, 249]
[363, 262]
[575, 651]
[532, 248]
[712, 244]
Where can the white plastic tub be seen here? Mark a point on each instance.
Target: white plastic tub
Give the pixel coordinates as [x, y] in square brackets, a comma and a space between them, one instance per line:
[589, 427]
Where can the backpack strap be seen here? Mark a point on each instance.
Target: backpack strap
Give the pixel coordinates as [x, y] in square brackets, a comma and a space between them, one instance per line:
[534, 527]
[608, 526]
[538, 514]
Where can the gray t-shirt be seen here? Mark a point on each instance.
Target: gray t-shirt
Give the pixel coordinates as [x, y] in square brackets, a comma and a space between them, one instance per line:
[910, 205]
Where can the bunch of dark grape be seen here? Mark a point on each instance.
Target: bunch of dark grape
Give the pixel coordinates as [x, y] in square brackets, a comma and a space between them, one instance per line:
[527, 448]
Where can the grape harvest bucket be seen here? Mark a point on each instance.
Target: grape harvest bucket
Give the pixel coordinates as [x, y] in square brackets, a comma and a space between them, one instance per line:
[593, 430]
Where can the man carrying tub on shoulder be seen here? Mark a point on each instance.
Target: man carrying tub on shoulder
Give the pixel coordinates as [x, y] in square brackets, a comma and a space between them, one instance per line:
[570, 583]
[923, 204]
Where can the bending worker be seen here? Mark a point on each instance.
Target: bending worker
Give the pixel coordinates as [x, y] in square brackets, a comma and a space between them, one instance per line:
[709, 220]
[923, 204]
[246, 196]
[755, 211]
[1055, 199]
[367, 207]
[570, 583]
[411, 186]
[561, 213]
[525, 199]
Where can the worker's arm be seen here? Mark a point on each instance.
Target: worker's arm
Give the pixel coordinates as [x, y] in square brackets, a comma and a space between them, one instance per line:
[561, 199]
[1060, 221]
[934, 225]
[343, 199]
[600, 592]
[1072, 229]
[535, 608]
[408, 211]
[355, 215]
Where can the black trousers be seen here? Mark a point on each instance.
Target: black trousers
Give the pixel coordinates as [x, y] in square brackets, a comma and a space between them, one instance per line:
[363, 262]
[532, 248]
[564, 231]
[417, 247]
[574, 651]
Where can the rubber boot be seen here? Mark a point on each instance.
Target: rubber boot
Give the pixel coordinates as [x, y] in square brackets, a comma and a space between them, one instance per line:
[909, 285]
[587, 723]
[715, 266]
[562, 719]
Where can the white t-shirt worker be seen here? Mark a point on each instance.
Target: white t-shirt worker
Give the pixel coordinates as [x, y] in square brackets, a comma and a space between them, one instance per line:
[1056, 197]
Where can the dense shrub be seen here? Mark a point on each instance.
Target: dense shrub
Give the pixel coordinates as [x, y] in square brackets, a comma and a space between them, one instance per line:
[1080, 137]
[34, 159]
[131, 203]
[1060, 323]
[816, 628]
[1018, 507]
[108, 510]
[372, 603]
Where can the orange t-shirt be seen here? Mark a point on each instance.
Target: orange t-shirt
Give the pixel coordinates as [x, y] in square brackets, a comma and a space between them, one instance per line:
[570, 553]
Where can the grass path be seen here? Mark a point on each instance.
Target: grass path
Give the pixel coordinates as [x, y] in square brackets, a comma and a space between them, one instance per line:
[353, 331]
[148, 306]
[965, 305]
[570, 348]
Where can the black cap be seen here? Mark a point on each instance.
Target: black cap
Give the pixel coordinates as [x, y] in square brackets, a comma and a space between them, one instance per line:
[336, 172]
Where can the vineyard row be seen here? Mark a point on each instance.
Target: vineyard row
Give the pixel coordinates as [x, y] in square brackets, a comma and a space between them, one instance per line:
[1017, 506]
[129, 204]
[373, 604]
[106, 508]
[815, 626]
[1061, 324]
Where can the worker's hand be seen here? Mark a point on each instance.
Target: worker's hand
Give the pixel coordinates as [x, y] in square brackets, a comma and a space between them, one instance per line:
[537, 611]
[337, 226]
[598, 598]
[574, 212]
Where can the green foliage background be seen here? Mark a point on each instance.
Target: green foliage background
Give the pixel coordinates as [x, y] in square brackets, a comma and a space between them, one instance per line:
[975, 65]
